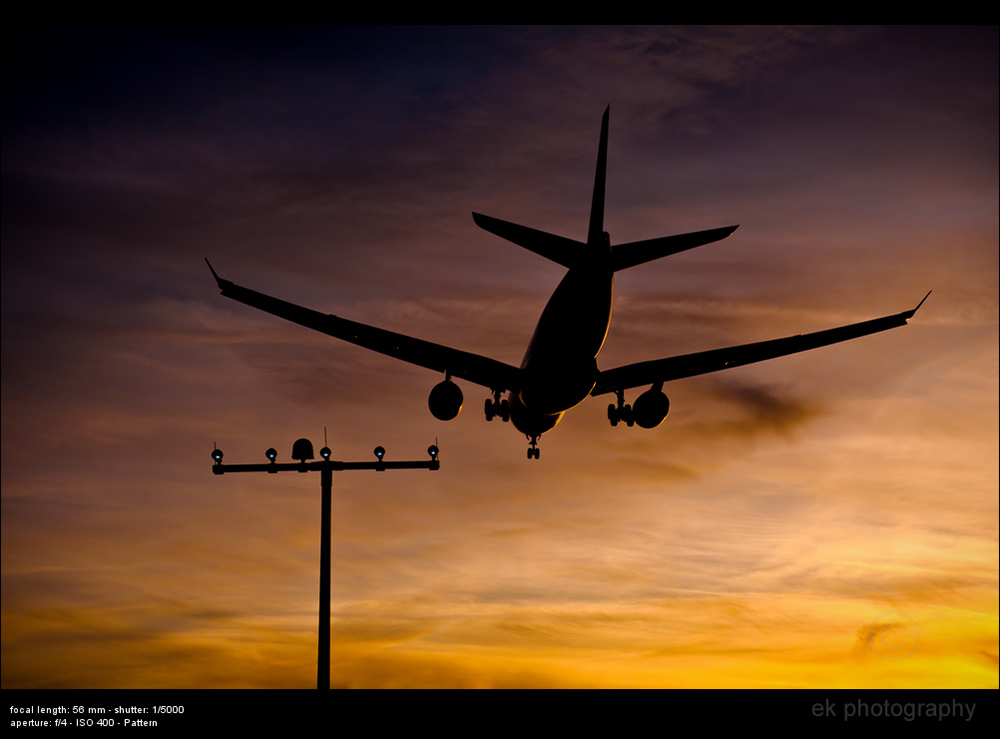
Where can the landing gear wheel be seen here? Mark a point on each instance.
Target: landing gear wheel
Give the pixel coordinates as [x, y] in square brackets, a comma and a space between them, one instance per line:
[533, 450]
[497, 408]
[621, 412]
[628, 416]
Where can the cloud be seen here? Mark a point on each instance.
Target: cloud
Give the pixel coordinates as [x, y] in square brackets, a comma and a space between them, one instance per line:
[765, 408]
[753, 538]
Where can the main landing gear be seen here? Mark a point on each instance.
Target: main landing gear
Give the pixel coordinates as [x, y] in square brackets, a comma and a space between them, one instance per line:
[497, 408]
[621, 412]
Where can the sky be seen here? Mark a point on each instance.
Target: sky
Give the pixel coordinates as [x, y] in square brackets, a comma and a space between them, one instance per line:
[825, 520]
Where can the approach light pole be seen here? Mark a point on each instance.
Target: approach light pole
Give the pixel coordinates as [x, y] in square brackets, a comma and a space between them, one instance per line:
[302, 451]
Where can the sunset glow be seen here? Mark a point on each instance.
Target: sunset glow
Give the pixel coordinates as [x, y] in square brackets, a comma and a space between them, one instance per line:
[826, 520]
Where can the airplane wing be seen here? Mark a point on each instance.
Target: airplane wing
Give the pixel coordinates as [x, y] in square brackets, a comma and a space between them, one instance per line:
[700, 363]
[480, 370]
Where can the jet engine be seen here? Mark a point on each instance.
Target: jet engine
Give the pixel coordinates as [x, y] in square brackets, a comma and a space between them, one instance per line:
[650, 408]
[445, 400]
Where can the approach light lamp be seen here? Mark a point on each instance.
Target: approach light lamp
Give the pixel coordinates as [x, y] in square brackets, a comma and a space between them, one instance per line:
[302, 451]
[271, 454]
[325, 453]
[379, 453]
[217, 455]
[433, 451]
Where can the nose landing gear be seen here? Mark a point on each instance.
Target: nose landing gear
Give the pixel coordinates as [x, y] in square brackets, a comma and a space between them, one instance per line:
[533, 450]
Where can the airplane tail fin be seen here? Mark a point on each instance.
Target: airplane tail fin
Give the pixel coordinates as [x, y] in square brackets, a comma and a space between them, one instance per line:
[595, 232]
[636, 252]
[567, 252]
[570, 253]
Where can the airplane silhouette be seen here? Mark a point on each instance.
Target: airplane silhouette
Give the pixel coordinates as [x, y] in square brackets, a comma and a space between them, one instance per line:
[559, 369]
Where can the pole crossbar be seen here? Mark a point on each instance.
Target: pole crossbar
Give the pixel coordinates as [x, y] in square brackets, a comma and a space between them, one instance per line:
[334, 466]
[326, 467]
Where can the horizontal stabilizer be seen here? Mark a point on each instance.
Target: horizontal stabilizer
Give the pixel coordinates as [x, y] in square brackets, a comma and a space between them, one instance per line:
[559, 249]
[628, 255]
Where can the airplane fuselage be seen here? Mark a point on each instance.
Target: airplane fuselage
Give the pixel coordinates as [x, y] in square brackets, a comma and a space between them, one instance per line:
[559, 368]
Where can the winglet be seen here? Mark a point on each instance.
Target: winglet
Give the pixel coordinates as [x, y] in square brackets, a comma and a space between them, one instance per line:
[218, 279]
[909, 314]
